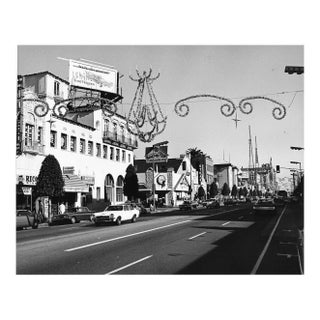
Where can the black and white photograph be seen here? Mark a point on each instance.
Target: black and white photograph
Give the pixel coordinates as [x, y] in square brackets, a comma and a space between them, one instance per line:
[159, 160]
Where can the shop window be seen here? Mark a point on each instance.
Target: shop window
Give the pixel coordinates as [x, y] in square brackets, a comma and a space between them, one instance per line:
[28, 137]
[105, 151]
[73, 144]
[40, 134]
[53, 139]
[98, 149]
[82, 146]
[117, 154]
[64, 141]
[111, 153]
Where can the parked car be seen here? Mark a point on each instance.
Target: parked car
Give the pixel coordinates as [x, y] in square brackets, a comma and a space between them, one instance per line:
[188, 205]
[208, 202]
[264, 206]
[116, 214]
[142, 209]
[25, 218]
[59, 219]
[230, 202]
[79, 213]
[214, 204]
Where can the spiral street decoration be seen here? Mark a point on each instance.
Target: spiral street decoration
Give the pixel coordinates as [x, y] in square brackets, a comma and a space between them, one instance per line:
[145, 115]
[61, 108]
[228, 108]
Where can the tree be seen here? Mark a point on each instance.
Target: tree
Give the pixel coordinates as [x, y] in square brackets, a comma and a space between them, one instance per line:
[131, 185]
[234, 191]
[213, 190]
[50, 181]
[201, 192]
[196, 158]
[225, 190]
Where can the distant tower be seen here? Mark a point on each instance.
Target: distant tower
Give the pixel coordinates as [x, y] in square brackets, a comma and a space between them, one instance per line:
[251, 162]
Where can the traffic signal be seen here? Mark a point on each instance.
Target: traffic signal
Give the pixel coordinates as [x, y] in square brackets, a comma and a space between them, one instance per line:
[277, 168]
[294, 69]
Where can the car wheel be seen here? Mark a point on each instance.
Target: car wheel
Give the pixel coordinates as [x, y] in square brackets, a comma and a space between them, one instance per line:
[134, 219]
[73, 220]
[118, 221]
[35, 225]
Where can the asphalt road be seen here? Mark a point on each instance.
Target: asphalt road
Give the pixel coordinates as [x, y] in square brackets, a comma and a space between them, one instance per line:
[229, 240]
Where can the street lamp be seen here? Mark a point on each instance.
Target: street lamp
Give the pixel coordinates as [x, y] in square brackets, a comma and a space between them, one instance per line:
[154, 148]
[299, 163]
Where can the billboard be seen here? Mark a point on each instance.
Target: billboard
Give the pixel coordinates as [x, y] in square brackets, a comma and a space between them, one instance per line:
[157, 154]
[85, 75]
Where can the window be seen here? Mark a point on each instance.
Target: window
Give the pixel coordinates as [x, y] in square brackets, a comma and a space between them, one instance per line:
[82, 146]
[98, 149]
[117, 154]
[184, 165]
[56, 88]
[105, 151]
[111, 153]
[115, 131]
[106, 125]
[123, 156]
[119, 189]
[90, 148]
[98, 193]
[53, 139]
[28, 137]
[73, 144]
[63, 141]
[129, 157]
[40, 132]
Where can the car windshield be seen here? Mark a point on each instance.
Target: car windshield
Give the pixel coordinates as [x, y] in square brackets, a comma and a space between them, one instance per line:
[114, 208]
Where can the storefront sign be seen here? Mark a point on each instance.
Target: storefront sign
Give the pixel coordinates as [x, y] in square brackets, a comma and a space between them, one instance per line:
[159, 154]
[68, 170]
[27, 191]
[27, 180]
[92, 77]
[88, 179]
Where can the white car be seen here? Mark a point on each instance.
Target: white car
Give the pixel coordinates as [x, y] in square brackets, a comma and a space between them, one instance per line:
[117, 214]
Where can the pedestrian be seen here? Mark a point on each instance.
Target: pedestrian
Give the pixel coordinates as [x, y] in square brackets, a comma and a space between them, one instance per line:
[62, 208]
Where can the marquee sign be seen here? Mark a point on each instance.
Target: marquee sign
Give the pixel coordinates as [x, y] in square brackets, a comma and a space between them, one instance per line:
[85, 75]
[158, 154]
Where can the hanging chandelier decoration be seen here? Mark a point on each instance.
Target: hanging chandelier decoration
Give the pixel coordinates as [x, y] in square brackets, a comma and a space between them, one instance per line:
[147, 118]
[228, 108]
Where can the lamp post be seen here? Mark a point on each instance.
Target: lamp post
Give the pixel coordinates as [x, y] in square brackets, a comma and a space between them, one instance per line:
[154, 148]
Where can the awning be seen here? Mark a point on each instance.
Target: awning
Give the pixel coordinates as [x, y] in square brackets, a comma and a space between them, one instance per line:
[73, 183]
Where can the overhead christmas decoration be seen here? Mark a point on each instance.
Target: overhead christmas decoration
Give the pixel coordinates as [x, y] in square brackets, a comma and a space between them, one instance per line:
[145, 112]
[228, 108]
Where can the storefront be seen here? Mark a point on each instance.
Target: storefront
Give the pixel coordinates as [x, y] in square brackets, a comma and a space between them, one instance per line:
[25, 191]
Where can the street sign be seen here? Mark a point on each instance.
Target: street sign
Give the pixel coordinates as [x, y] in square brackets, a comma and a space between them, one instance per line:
[27, 191]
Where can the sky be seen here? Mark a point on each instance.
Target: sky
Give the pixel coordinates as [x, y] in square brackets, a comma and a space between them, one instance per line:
[233, 72]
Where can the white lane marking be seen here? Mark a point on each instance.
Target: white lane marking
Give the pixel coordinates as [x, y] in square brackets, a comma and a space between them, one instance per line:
[198, 235]
[256, 266]
[299, 258]
[224, 224]
[126, 236]
[129, 265]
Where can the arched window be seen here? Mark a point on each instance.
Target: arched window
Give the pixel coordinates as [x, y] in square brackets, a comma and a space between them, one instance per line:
[119, 190]
[108, 189]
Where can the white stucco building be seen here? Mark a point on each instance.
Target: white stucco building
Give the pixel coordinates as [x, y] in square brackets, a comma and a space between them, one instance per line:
[93, 148]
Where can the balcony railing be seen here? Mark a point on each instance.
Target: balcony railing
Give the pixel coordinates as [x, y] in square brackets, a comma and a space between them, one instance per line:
[34, 148]
[120, 138]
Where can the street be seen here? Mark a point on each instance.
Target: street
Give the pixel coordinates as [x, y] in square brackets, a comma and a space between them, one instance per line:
[228, 240]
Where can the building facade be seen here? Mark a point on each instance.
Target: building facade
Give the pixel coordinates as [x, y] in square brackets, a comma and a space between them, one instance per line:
[92, 147]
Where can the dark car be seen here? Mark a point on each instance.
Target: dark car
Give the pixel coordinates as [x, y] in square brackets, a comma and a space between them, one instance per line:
[188, 205]
[264, 206]
[59, 219]
[79, 213]
[25, 218]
